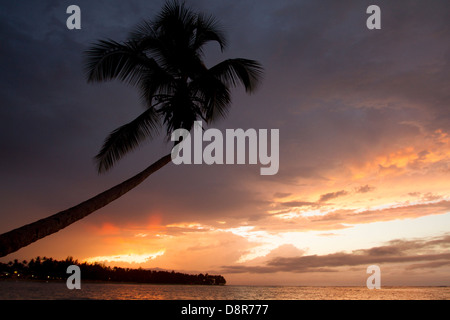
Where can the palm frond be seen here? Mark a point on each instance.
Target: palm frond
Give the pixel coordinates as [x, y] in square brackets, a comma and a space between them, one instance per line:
[179, 111]
[207, 29]
[108, 59]
[126, 138]
[175, 19]
[148, 40]
[239, 70]
[155, 80]
[213, 96]
[143, 30]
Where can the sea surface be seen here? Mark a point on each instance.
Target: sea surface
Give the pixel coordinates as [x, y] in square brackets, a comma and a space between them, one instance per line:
[30, 290]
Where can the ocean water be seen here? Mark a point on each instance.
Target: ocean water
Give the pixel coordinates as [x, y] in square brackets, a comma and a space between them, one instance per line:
[30, 290]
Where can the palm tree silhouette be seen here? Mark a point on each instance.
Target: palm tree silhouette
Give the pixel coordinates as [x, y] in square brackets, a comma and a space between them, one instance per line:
[162, 58]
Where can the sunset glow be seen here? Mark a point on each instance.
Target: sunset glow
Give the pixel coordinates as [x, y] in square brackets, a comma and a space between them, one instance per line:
[127, 258]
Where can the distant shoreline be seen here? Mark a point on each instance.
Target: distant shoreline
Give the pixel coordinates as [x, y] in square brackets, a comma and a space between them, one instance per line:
[48, 269]
[102, 282]
[232, 285]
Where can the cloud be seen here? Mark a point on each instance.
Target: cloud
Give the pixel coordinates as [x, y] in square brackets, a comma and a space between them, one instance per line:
[414, 194]
[429, 265]
[128, 258]
[323, 198]
[332, 195]
[299, 215]
[327, 234]
[429, 196]
[298, 204]
[365, 189]
[281, 194]
[396, 251]
[400, 212]
[107, 229]
[285, 250]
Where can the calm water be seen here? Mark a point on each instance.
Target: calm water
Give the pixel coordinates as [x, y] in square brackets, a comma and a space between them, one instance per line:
[112, 291]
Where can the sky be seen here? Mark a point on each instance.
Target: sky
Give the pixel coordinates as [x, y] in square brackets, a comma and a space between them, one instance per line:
[364, 145]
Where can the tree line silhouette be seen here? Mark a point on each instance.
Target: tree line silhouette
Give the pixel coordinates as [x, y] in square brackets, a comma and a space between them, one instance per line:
[51, 269]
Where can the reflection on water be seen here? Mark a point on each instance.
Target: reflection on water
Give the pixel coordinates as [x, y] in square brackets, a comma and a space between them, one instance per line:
[115, 291]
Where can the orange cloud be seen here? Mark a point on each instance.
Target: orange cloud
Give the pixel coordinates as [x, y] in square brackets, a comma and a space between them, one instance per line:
[154, 221]
[105, 229]
[395, 251]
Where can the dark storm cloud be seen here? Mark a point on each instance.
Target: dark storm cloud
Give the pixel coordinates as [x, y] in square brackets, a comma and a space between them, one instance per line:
[347, 89]
[396, 251]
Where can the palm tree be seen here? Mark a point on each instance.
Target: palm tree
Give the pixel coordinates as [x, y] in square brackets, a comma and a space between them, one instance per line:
[163, 60]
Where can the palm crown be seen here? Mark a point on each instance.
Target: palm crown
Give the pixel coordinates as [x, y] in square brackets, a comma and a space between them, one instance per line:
[163, 58]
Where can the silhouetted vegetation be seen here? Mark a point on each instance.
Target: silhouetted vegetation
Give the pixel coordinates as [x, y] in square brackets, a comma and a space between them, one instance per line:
[50, 269]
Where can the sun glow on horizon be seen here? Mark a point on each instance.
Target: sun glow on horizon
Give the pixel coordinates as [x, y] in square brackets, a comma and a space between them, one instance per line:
[128, 258]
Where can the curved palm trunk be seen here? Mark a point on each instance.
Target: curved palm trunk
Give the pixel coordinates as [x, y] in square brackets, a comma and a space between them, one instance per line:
[14, 240]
